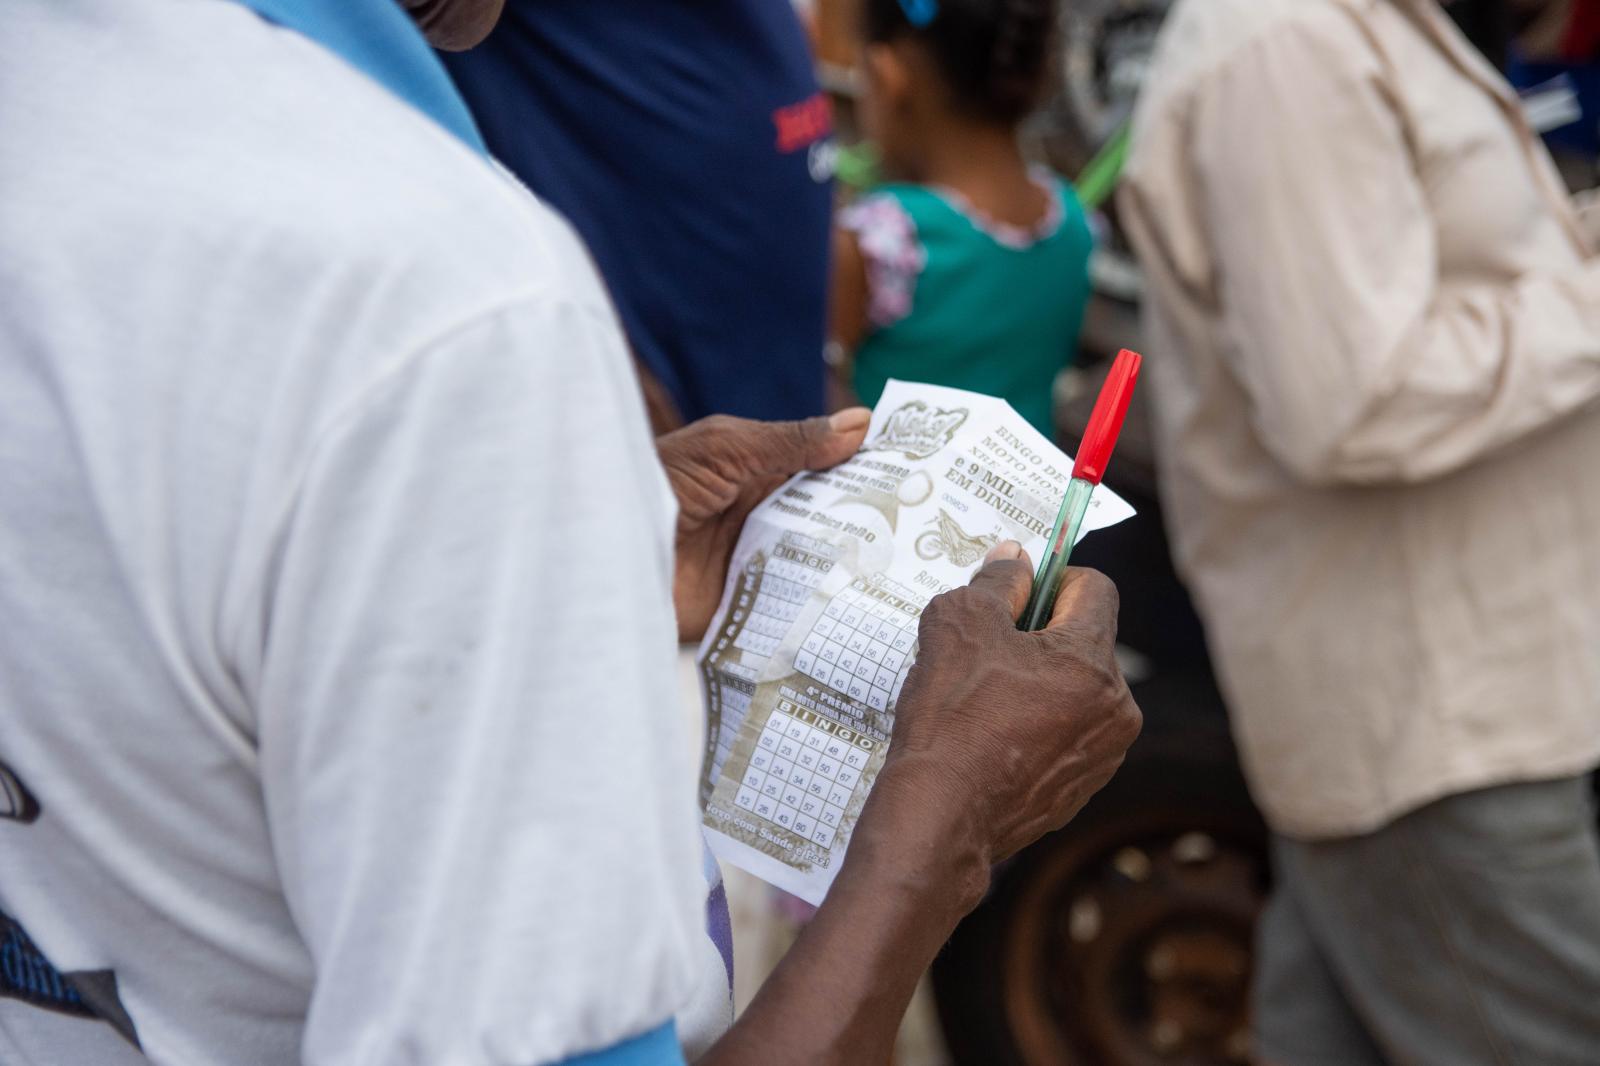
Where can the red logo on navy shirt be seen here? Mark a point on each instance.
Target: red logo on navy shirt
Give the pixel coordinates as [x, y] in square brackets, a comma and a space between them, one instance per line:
[804, 123]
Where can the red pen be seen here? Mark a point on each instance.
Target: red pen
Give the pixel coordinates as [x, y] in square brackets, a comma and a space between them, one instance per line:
[1099, 440]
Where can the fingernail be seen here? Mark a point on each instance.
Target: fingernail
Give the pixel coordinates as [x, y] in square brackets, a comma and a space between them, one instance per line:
[849, 420]
[1006, 549]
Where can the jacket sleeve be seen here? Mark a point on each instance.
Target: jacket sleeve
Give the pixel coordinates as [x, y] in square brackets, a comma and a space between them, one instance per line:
[1361, 364]
[1587, 205]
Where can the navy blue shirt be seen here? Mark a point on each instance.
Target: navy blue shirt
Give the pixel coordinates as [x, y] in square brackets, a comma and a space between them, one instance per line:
[1581, 136]
[687, 142]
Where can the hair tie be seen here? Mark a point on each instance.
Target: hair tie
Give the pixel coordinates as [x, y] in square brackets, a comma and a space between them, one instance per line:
[919, 12]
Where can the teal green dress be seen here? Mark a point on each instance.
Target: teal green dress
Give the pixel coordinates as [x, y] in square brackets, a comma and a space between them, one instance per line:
[955, 299]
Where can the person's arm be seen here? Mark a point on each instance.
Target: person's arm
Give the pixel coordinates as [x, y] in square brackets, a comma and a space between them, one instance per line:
[479, 792]
[1000, 737]
[1361, 367]
[658, 403]
[847, 318]
[840, 993]
[877, 258]
[847, 308]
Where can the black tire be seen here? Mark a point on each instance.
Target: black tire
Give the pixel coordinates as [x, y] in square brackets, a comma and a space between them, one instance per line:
[1123, 939]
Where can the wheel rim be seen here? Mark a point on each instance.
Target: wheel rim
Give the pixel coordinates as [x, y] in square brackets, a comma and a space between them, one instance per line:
[1134, 949]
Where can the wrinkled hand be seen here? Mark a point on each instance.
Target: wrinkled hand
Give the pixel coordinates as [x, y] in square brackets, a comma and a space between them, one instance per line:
[1007, 734]
[720, 468]
[999, 737]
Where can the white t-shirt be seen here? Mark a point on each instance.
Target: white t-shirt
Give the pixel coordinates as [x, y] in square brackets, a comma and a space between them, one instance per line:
[336, 635]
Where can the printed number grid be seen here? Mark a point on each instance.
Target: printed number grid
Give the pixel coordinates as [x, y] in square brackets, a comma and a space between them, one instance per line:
[734, 692]
[803, 773]
[787, 581]
[863, 641]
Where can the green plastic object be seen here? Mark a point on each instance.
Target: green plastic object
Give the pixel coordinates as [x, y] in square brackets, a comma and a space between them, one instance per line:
[859, 166]
[1099, 178]
[1047, 583]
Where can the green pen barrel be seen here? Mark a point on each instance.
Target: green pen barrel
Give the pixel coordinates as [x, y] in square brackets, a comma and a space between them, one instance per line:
[1047, 582]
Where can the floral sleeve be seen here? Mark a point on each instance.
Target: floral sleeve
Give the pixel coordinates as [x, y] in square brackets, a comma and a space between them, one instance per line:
[893, 255]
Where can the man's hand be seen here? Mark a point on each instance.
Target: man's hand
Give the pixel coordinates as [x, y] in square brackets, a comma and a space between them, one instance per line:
[720, 468]
[999, 737]
[1004, 735]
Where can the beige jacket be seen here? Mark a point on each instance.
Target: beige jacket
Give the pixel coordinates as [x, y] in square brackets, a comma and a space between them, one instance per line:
[1374, 347]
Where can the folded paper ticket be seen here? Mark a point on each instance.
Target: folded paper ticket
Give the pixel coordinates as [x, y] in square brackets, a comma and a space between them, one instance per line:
[818, 624]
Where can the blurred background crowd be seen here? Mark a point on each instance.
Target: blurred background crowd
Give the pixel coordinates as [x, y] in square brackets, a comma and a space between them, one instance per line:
[1360, 610]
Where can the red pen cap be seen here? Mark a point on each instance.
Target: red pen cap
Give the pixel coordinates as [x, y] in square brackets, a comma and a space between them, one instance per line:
[1105, 425]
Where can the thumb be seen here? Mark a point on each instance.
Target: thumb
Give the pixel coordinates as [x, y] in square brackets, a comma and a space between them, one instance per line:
[784, 448]
[1007, 576]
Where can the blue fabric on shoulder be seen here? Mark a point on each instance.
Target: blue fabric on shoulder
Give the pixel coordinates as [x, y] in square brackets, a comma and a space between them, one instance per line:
[656, 1048]
[379, 39]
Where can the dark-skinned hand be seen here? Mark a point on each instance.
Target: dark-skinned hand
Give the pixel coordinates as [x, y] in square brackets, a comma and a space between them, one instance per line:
[1007, 734]
[720, 468]
[999, 737]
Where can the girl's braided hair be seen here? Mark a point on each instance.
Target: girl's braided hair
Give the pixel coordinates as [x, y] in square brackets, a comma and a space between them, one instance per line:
[993, 54]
